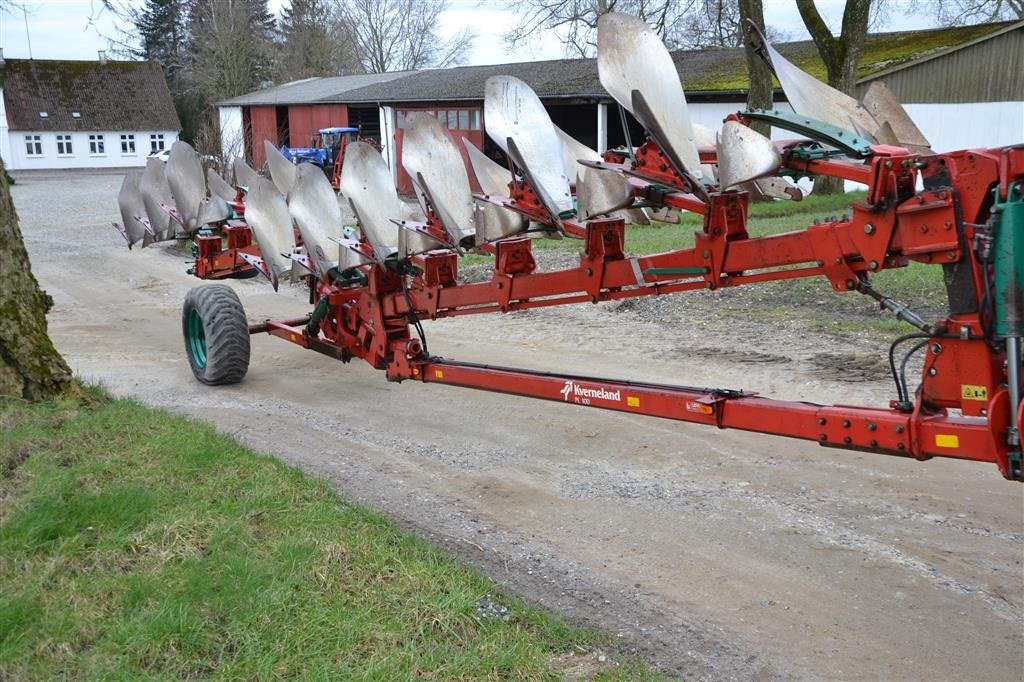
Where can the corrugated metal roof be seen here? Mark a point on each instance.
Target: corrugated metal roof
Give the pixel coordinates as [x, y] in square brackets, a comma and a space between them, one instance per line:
[702, 72]
[998, 30]
[326, 89]
[549, 79]
[113, 95]
[988, 70]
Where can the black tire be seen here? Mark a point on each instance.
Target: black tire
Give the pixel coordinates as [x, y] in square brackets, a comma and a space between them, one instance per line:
[216, 334]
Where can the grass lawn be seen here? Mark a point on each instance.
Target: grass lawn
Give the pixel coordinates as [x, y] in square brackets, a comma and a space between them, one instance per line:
[136, 544]
[918, 284]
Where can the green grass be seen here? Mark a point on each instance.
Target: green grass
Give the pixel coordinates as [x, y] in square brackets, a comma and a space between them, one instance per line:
[135, 544]
[763, 218]
[917, 283]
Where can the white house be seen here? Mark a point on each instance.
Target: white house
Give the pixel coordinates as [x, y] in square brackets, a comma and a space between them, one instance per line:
[83, 114]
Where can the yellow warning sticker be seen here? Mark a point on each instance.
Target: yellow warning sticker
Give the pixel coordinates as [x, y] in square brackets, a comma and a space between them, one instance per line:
[632, 401]
[947, 440]
[438, 374]
[972, 392]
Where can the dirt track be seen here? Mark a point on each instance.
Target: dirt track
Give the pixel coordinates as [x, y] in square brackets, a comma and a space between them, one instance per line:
[716, 554]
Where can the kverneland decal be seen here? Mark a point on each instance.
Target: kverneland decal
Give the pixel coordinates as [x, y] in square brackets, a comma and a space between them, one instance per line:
[584, 394]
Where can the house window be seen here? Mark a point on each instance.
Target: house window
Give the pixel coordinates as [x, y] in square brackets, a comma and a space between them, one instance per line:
[76, 114]
[156, 143]
[463, 120]
[474, 120]
[64, 145]
[33, 145]
[96, 145]
[128, 144]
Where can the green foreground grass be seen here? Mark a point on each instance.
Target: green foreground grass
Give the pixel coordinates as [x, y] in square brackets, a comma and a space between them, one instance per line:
[135, 544]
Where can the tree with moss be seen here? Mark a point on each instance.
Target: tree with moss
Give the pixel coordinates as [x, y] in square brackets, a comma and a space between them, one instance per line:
[841, 55]
[760, 92]
[30, 366]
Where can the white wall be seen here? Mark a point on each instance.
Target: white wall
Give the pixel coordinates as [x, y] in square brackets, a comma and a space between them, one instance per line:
[950, 127]
[5, 140]
[16, 155]
[232, 138]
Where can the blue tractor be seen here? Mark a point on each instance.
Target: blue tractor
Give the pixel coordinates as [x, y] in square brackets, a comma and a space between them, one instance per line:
[327, 149]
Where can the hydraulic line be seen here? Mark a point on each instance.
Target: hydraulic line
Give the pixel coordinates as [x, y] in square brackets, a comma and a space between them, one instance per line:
[902, 399]
[903, 365]
[413, 318]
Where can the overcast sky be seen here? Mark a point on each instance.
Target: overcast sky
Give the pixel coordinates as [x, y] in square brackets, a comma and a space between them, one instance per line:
[75, 29]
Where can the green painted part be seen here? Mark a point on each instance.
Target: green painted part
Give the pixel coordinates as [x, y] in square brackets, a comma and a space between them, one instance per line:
[1008, 262]
[848, 141]
[319, 312]
[196, 338]
[675, 271]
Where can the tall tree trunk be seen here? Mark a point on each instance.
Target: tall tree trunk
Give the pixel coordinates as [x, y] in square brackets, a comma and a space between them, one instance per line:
[841, 56]
[759, 92]
[30, 367]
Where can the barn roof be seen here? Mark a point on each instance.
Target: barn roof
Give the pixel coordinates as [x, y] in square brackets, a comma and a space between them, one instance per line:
[309, 90]
[706, 71]
[109, 95]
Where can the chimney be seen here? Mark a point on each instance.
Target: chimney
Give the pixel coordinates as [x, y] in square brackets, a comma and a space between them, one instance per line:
[103, 56]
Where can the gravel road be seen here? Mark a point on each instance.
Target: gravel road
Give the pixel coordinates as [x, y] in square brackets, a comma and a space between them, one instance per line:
[715, 554]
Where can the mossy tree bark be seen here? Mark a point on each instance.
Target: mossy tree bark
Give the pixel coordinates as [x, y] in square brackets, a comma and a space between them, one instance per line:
[841, 56]
[759, 92]
[30, 367]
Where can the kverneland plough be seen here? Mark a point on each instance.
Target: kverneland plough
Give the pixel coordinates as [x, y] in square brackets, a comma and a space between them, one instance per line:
[169, 201]
[963, 211]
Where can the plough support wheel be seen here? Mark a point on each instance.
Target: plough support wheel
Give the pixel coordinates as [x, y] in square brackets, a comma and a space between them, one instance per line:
[216, 334]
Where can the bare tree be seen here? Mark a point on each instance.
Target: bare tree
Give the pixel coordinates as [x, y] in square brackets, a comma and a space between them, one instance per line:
[315, 40]
[961, 12]
[158, 30]
[710, 23]
[841, 53]
[402, 35]
[232, 48]
[576, 20]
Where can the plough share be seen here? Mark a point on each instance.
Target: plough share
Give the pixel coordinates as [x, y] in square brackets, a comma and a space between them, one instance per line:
[963, 211]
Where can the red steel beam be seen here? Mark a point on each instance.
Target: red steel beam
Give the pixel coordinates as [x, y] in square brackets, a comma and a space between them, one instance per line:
[878, 430]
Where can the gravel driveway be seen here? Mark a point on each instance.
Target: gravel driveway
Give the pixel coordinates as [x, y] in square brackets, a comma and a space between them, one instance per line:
[715, 554]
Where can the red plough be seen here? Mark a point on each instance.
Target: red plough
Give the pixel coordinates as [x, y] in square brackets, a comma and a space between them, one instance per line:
[962, 211]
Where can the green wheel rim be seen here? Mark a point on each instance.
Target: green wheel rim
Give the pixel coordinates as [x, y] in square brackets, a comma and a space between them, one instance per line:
[195, 338]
